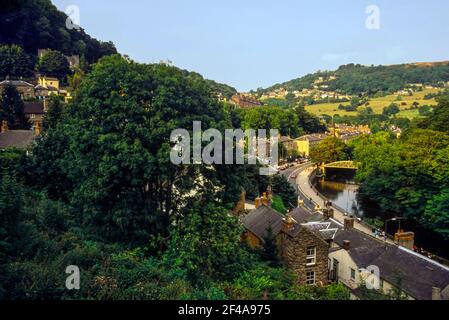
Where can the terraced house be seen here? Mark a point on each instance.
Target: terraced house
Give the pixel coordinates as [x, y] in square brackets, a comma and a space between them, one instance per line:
[320, 250]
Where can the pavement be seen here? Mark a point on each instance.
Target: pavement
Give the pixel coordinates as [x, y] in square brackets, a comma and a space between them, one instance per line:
[311, 198]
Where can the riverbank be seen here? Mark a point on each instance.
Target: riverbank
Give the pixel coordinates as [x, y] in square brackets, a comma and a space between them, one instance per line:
[308, 191]
[304, 178]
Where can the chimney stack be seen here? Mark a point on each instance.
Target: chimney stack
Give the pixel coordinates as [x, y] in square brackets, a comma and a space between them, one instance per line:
[257, 203]
[328, 213]
[405, 239]
[4, 126]
[436, 293]
[45, 105]
[346, 244]
[264, 199]
[288, 224]
[38, 128]
[349, 223]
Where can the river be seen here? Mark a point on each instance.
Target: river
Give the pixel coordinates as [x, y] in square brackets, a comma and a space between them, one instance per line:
[343, 192]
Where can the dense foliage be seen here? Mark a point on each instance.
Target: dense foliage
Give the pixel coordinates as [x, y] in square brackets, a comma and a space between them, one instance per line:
[99, 192]
[15, 62]
[37, 24]
[12, 109]
[357, 79]
[53, 63]
[409, 176]
[292, 122]
[329, 150]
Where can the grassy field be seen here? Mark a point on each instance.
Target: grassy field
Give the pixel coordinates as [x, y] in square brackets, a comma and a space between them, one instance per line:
[378, 104]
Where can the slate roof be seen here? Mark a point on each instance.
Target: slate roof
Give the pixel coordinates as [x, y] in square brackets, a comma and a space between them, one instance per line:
[312, 137]
[33, 108]
[418, 274]
[301, 215]
[16, 83]
[285, 139]
[259, 220]
[20, 139]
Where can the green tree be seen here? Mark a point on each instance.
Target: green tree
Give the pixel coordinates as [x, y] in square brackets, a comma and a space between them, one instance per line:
[308, 122]
[54, 113]
[12, 109]
[15, 62]
[206, 244]
[11, 206]
[270, 252]
[281, 187]
[117, 132]
[391, 110]
[54, 63]
[438, 120]
[329, 150]
[278, 205]
[285, 121]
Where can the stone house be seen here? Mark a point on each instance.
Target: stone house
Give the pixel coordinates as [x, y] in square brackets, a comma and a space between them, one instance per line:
[244, 101]
[355, 255]
[303, 246]
[25, 89]
[34, 112]
[306, 143]
[19, 139]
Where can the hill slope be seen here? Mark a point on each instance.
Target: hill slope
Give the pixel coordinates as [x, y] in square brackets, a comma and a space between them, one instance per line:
[357, 79]
[38, 24]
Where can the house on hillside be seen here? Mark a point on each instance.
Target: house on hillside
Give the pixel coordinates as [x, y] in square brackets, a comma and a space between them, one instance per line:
[34, 112]
[307, 142]
[320, 250]
[52, 84]
[244, 101]
[25, 89]
[19, 139]
[304, 247]
[73, 60]
[354, 252]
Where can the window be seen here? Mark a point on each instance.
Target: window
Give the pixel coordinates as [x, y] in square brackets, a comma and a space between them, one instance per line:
[310, 278]
[311, 256]
[352, 274]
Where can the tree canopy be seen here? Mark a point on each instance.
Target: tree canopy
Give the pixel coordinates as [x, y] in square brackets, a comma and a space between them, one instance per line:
[54, 63]
[329, 150]
[38, 24]
[15, 62]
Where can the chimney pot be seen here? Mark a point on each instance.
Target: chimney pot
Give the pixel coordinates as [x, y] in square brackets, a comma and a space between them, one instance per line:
[328, 213]
[405, 239]
[4, 126]
[349, 223]
[436, 293]
[288, 223]
[257, 203]
[346, 244]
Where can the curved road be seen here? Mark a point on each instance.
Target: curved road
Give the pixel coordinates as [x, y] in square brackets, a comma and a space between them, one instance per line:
[311, 198]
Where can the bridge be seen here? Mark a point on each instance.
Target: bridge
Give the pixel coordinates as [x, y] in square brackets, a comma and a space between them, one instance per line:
[341, 165]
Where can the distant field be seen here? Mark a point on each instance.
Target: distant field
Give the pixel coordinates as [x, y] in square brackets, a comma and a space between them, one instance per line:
[378, 104]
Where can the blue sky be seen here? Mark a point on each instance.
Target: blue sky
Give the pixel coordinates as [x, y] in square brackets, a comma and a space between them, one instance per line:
[257, 43]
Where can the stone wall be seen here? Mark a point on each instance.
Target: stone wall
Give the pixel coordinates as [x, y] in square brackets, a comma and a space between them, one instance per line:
[294, 253]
